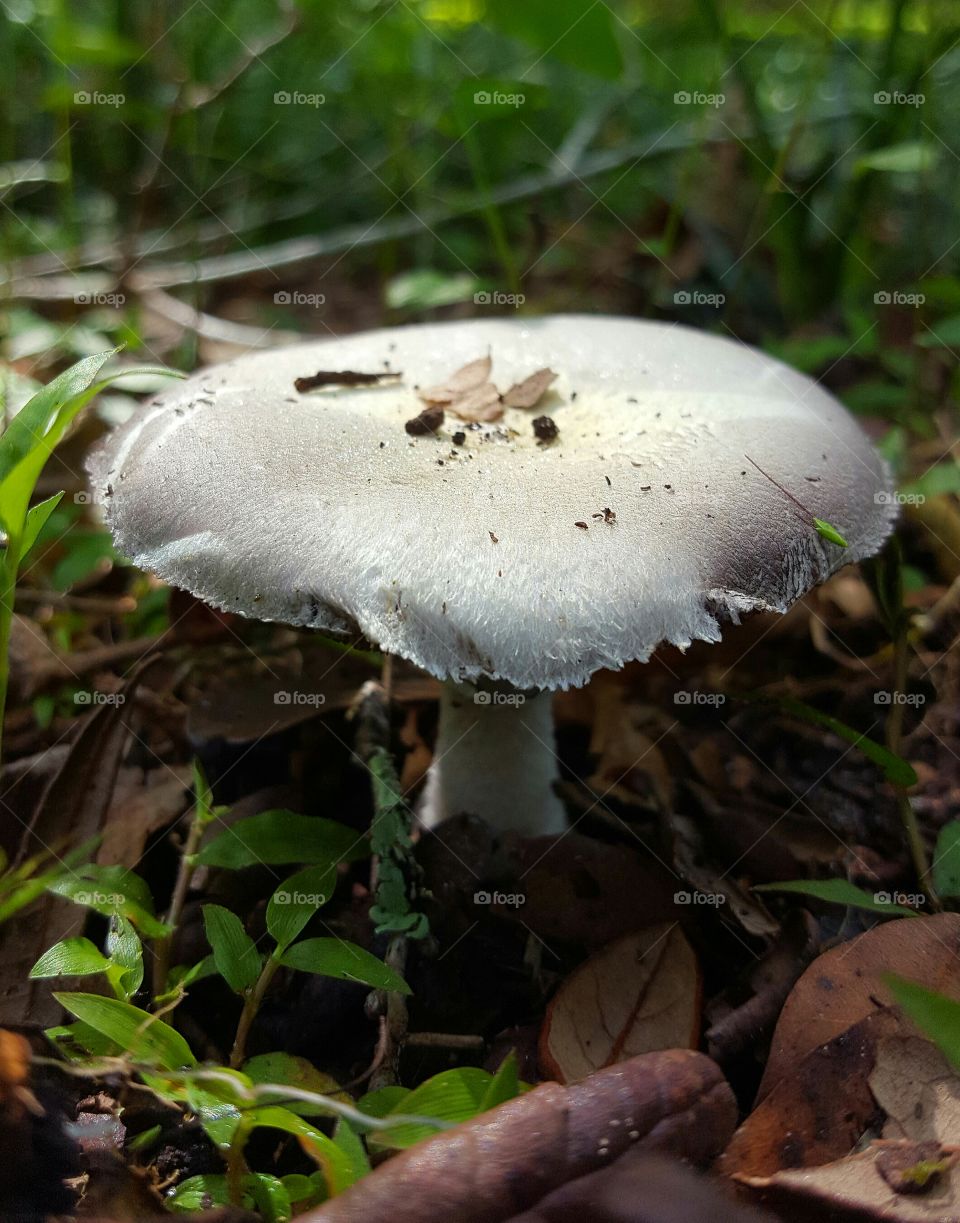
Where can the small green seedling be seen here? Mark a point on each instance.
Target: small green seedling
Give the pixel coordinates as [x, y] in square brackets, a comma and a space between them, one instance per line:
[824, 529]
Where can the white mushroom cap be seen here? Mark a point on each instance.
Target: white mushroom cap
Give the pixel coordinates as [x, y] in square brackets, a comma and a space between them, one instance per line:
[319, 509]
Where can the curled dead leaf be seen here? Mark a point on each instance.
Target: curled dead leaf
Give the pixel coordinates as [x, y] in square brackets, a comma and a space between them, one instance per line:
[507, 1160]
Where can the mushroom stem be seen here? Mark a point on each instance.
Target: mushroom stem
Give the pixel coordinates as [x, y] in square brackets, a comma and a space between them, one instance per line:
[494, 757]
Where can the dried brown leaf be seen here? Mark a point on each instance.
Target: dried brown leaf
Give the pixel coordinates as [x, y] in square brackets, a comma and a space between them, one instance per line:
[527, 394]
[467, 378]
[855, 1187]
[482, 404]
[846, 984]
[639, 994]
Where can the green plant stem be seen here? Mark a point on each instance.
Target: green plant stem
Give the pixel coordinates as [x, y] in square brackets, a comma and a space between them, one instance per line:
[185, 871]
[251, 1006]
[236, 1164]
[8, 590]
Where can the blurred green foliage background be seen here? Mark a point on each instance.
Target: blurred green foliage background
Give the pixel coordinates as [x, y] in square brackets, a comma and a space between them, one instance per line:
[782, 172]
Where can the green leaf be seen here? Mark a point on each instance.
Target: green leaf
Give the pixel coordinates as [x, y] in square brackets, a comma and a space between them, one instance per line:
[896, 770]
[203, 795]
[935, 1015]
[32, 424]
[234, 951]
[829, 532]
[295, 901]
[126, 955]
[336, 1165]
[384, 1100]
[276, 838]
[332, 957]
[839, 892]
[73, 957]
[352, 1146]
[269, 1196]
[946, 860]
[198, 1193]
[286, 1070]
[910, 157]
[147, 1039]
[36, 520]
[452, 1096]
[505, 1084]
[426, 288]
[579, 34]
[112, 890]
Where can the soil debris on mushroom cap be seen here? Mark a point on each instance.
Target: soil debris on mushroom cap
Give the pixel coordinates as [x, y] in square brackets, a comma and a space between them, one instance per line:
[471, 395]
[426, 423]
[194, 483]
[545, 429]
[344, 377]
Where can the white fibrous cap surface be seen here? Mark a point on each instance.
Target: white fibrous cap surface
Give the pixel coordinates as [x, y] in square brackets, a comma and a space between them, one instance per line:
[320, 509]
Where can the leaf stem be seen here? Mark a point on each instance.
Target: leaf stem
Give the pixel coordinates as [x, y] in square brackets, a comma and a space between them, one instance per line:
[251, 1006]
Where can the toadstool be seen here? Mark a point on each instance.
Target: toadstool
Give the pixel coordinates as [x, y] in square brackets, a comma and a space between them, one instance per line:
[491, 570]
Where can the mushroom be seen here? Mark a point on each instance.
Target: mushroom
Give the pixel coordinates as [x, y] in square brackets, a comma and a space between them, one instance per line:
[679, 493]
